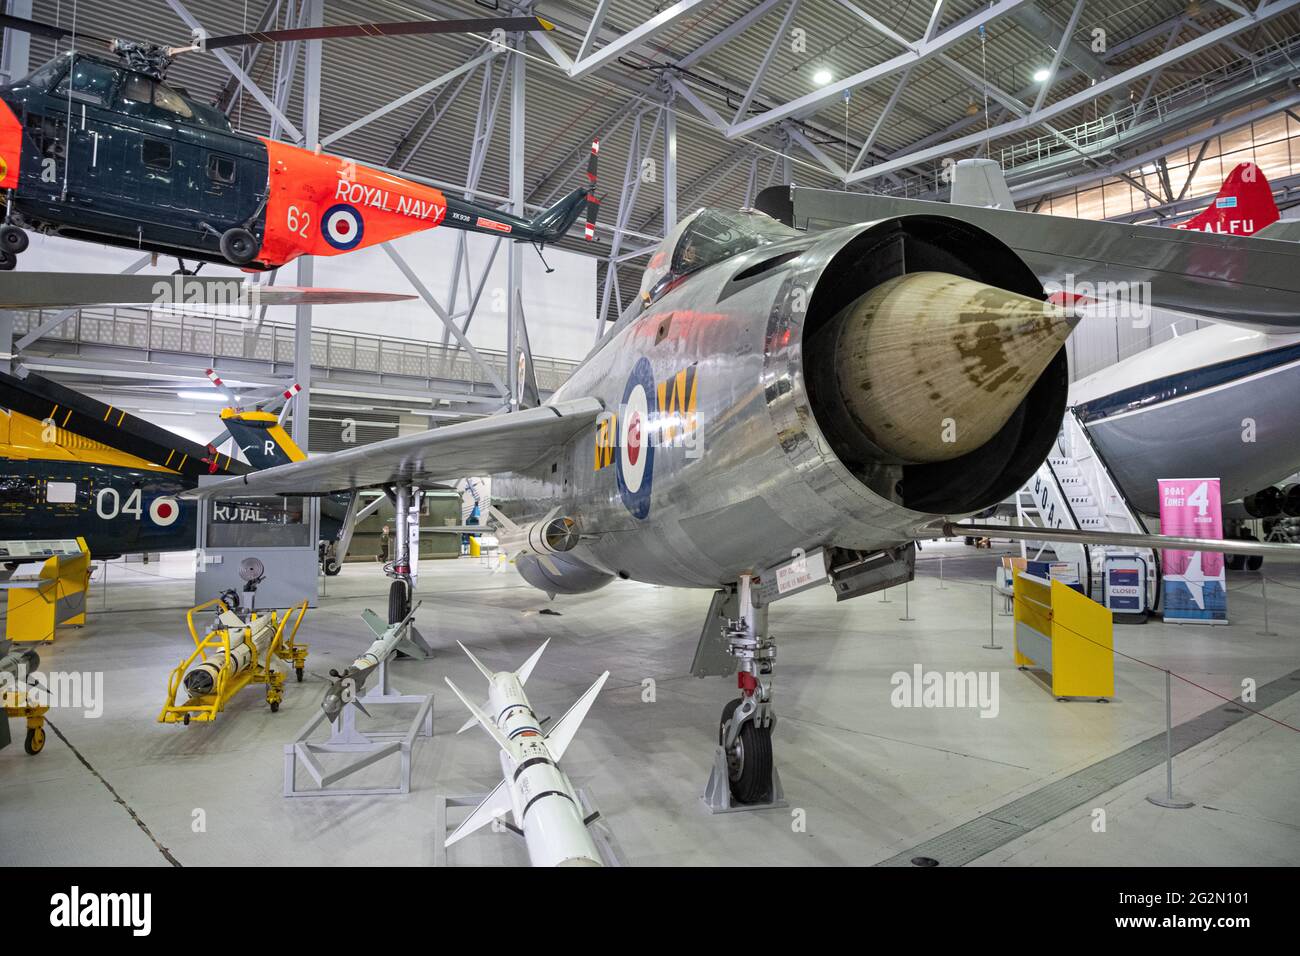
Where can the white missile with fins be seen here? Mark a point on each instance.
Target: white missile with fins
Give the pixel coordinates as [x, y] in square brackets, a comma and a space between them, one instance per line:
[534, 789]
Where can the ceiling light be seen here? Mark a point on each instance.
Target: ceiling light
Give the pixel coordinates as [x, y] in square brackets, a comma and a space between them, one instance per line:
[1040, 76]
[202, 396]
[822, 77]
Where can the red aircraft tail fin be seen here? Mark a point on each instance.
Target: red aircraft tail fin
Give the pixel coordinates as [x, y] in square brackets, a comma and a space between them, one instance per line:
[1243, 207]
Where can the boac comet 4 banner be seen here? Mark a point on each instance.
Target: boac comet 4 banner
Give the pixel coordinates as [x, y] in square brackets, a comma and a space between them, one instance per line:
[1194, 580]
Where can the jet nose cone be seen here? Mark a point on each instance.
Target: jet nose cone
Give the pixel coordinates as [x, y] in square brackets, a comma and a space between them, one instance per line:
[931, 365]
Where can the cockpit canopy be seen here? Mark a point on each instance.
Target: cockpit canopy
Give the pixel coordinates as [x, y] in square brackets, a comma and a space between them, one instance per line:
[707, 237]
[105, 82]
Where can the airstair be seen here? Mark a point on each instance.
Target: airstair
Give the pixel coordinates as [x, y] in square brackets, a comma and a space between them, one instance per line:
[1073, 489]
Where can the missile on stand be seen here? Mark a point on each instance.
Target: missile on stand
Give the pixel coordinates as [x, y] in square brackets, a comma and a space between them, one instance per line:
[203, 678]
[534, 790]
[347, 686]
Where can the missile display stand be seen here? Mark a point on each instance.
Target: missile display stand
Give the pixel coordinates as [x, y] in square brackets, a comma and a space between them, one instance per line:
[744, 775]
[611, 853]
[364, 747]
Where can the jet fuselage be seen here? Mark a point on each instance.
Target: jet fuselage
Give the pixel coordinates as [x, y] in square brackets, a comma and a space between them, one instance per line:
[718, 453]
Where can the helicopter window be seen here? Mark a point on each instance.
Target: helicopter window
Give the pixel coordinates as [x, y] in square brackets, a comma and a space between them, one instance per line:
[137, 89]
[92, 81]
[49, 134]
[221, 169]
[156, 153]
[44, 78]
[165, 98]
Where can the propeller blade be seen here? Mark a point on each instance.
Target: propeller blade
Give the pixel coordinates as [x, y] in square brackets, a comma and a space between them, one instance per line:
[38, 29]
[395, 28]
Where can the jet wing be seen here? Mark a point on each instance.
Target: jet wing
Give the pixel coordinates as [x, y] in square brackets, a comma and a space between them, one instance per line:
[1241, 280]
[59, 290]
[1277, 551]
[1287, 230]
[499, 443]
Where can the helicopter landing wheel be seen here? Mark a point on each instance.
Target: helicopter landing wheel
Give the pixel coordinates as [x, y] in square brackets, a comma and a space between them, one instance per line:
[239, 246]
[13, 240]
[7, 260]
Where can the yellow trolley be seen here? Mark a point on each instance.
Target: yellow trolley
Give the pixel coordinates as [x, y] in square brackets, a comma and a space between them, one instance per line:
[229, 681]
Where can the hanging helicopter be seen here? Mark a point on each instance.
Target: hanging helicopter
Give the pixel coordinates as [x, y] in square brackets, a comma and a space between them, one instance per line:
[97, 146]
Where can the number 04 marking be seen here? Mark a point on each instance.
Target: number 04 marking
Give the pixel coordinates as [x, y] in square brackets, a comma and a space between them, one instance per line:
[297, 220]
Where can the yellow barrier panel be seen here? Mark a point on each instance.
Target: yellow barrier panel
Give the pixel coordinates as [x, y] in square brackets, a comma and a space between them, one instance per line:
[56, 597]
[1070, 636]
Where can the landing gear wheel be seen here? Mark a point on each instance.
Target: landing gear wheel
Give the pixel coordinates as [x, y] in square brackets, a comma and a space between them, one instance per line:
[399, 601]
[332, 567]
[239, 246]
[13, 240]
[275, 706]
[7, 260]
[298, 672]
[749, 760]
[35, 741]
[1252, 562]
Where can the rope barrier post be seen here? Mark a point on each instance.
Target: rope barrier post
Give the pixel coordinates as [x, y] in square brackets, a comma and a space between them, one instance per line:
[907, 605]
[1169, 799]
[884, 597]
[992, 645]
[942, 586]
[1263, 587]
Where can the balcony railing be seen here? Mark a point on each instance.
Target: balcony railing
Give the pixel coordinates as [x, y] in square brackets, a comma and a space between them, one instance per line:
[213, 339]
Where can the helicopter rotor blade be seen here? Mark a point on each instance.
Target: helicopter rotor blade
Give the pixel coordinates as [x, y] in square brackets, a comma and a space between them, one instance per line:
[593, 201]
[395, 28]
[39, 29]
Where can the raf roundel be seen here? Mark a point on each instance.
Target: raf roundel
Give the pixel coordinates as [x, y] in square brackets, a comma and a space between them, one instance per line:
[164, 511]
[343, 226]
[636, 453]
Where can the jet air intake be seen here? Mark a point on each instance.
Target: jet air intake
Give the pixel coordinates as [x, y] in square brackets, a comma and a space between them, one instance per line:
[929, 366]
[934, 369]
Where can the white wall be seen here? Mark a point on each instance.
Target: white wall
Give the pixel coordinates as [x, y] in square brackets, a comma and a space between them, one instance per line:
[560, 307]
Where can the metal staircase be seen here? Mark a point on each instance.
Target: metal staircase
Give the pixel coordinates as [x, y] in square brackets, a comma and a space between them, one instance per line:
[1073, 489]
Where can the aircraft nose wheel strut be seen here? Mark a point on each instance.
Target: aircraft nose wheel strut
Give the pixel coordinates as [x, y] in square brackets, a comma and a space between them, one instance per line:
[744, 775]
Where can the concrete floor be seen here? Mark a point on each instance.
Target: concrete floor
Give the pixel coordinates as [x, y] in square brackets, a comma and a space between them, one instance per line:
[864, 780]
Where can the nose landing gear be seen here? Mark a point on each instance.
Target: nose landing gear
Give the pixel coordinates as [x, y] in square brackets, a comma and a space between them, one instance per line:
[744, 773]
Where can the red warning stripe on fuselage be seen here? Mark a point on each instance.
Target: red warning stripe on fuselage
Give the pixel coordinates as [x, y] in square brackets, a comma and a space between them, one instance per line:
[323, 205]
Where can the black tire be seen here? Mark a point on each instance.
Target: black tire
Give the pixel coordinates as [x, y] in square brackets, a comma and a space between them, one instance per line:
[275, 706]
[332, 567]
[7, 260]
[1253, 562]
[239, 246]
[399, 601]
[13, 240]
[750, 780]
[35, 741]
[298, 671]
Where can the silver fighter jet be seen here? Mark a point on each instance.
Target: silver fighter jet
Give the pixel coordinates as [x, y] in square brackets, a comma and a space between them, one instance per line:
[779, 410]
